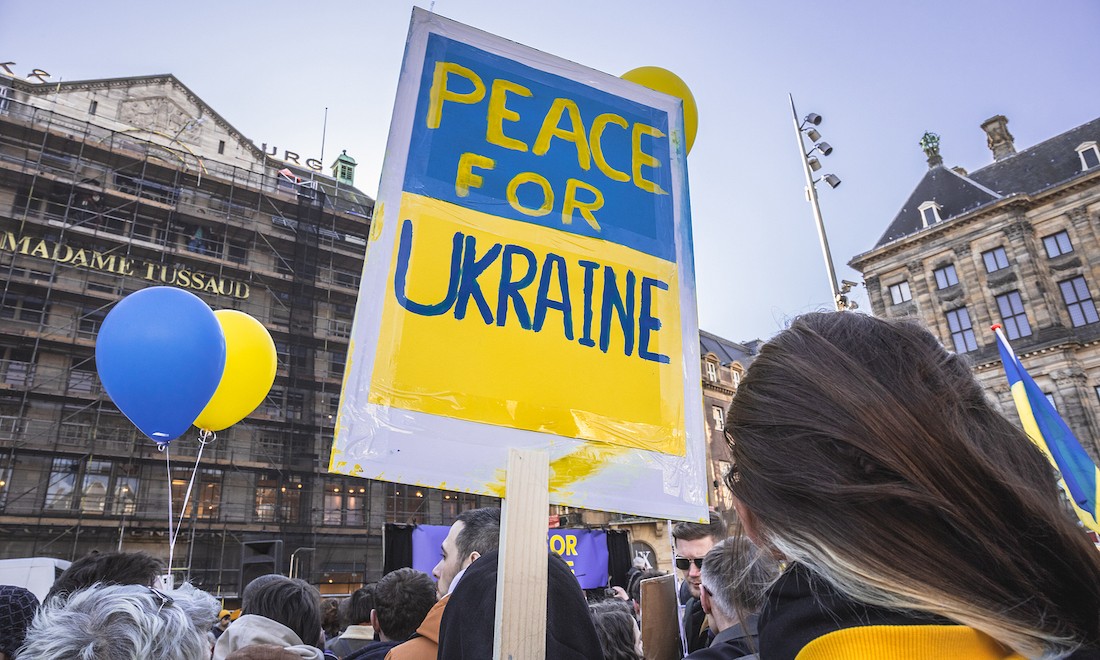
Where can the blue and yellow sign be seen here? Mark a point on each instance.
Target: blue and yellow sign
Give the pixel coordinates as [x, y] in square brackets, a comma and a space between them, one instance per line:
[532, 272]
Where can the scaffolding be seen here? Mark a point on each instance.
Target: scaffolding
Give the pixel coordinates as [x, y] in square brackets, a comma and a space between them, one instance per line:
[140, 213]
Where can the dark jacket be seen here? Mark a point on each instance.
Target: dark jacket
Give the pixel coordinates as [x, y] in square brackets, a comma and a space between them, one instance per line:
[696, 631]
[737, 641]
[802, 608]
[372, 651]
[466, 632]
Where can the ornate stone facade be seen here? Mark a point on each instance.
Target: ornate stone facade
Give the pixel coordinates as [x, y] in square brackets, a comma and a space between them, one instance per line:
[1020, 236]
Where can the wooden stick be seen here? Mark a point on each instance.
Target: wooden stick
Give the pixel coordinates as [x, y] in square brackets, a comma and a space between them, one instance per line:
[521, 578]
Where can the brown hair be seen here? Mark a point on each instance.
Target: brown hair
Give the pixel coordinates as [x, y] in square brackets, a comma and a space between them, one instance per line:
[869, 454]
[691, 531]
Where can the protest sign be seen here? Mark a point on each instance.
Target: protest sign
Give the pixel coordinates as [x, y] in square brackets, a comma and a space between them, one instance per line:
[585, 551]
[528, 284]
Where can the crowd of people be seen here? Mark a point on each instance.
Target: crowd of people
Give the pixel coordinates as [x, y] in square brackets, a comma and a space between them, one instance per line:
[884, 510]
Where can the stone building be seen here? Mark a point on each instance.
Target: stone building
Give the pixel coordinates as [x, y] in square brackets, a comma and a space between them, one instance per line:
[1016, 242]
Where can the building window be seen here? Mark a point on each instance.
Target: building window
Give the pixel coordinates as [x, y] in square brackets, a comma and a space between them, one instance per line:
[1082, 311]
[736, 378]
[221, 146]
[5, 478]
[1057, 244]
[930, 213]
[290, 492]
[995, 259]
[719, 417]
[1097, 390]
[89, 322]
[82, 377]
[1013, 317]
[1090, 155]
[1050, 399]
[405, 504]
[712, 372]
[93, 107]
[455, 503]
[900, 293]
[31, 309]
[61, 488]
[267, 498]
[346, 502]
[16, 366]
[962, 331]
[946, 276]
[93, 490]
[206, 494]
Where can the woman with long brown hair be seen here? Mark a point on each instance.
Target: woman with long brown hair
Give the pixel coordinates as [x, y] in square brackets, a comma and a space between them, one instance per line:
[917, 522]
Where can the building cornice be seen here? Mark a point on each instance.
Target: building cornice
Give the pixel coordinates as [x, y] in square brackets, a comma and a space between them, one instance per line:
[43, 89]
[1021, 201]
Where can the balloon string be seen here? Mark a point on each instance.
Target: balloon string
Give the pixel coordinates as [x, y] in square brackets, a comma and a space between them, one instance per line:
[171, 537]
[203, 435]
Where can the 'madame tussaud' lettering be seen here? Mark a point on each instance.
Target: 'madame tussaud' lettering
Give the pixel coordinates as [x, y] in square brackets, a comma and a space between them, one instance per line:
[123, 265]
[610, 298]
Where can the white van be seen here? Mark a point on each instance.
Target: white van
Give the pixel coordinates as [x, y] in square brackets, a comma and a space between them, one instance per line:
[36, 574]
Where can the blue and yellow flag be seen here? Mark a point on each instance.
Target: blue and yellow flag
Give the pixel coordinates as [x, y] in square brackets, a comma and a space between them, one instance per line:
[1049, 432]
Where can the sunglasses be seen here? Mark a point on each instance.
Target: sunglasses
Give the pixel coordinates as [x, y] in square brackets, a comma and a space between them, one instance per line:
[683, 563]
[162, 597]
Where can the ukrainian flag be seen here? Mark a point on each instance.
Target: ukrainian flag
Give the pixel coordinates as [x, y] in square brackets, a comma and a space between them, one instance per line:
[1049, 432]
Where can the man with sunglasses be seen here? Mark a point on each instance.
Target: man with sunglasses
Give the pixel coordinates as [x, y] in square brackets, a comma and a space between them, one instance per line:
[692, 542]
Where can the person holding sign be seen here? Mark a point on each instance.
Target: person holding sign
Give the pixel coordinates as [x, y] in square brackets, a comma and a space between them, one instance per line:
[692, 542]
[913, 516]
[475, 533]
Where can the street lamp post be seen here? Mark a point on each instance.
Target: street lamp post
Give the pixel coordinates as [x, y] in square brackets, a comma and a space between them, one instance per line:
[296, 567]
[810, 164]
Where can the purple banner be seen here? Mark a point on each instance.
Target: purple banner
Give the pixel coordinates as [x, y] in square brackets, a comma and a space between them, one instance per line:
[584, 550]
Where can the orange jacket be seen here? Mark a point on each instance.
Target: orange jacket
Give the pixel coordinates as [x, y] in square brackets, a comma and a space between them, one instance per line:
[426, 646]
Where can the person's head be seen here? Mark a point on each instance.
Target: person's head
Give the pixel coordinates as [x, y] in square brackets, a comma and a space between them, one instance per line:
[123, 621]
[736, 576]
[474, 533]
[692, 542]
[108, 568]
[634, 589]
[17, 609]
[225, 617]
[865, 451]
[402, 599]
[617, 629]
[357, 607]
[294, 603]
[330, 617]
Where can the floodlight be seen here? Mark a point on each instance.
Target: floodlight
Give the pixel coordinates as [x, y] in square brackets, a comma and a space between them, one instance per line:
[813, 134]
[814, 163]
[813, 118]
[824, 147]
[833, 180]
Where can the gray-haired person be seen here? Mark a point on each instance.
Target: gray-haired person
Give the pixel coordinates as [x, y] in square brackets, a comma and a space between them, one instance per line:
[123, 621]
[735, 577]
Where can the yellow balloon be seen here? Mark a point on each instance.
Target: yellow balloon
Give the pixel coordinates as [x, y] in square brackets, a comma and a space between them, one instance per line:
[663, 80]
[250, 365]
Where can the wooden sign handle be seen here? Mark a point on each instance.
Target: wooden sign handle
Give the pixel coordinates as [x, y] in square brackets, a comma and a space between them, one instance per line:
[521, 579]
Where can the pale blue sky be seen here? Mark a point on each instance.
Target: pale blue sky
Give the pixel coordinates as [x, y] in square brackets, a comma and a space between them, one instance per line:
[880, 73]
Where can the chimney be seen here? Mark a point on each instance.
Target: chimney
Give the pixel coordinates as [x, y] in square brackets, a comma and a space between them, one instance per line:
[998, 137]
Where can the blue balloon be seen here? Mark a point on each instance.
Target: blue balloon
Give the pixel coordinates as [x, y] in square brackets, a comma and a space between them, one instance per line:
[160, 354]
